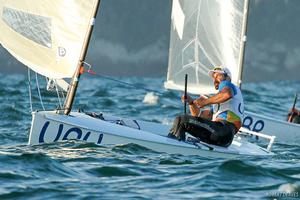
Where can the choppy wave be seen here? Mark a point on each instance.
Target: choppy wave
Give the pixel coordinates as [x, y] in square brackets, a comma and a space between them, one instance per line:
[77, 170]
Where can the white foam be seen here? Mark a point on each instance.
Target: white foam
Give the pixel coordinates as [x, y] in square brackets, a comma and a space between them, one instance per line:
[150, 98]
[167, 121]
[288, 188]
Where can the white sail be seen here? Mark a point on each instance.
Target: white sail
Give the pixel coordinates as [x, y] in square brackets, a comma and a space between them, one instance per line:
[46, 35]
[204, 34]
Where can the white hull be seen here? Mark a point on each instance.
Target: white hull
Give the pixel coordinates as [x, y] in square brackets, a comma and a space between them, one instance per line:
[284, 131]
[49, 127]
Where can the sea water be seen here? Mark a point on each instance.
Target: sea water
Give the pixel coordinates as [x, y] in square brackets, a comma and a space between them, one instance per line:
[78, 170]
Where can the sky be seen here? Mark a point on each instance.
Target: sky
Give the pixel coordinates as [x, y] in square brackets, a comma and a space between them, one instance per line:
[131, 38]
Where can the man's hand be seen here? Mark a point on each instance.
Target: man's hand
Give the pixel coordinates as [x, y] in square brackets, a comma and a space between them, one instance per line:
[200, 102]
[188, 99]
[294, 111]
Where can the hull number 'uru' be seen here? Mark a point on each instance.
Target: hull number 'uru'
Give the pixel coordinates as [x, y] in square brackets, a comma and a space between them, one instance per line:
[64, 134]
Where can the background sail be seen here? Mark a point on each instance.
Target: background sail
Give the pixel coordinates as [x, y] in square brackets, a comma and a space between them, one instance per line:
[204, 34]
[46, 35]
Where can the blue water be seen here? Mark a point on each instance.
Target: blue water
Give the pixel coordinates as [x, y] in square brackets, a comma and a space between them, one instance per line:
[77, 170]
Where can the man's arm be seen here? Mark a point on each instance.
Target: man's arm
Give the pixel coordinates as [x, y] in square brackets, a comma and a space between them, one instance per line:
[224, 95]
[193, 108]
[207, 114]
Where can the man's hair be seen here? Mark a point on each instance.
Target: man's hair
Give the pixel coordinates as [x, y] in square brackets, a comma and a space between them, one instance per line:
[227, 78]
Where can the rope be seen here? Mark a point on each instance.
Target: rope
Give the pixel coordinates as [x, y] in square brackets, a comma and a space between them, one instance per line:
[125, 83]
[29, 90]
[63, 94]
[38, 88]
[91, 72]
[58, 96]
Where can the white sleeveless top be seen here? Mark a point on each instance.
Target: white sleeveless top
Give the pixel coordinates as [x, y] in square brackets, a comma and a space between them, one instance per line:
[234, 104]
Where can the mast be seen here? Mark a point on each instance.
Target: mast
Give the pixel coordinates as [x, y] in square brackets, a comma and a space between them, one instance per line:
[75, 79]
[243, 42]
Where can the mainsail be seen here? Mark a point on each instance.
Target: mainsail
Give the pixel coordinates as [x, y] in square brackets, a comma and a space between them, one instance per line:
[204, 34]
[46, 35]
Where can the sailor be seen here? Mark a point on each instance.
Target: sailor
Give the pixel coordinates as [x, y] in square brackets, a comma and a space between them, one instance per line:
[294, 116]
[221, 122]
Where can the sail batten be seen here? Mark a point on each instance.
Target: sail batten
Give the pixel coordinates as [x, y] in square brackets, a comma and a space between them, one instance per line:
[211, 36]
[47, 36]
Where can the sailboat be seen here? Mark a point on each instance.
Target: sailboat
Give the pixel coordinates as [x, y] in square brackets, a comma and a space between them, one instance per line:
[209, 33]
[53, 41]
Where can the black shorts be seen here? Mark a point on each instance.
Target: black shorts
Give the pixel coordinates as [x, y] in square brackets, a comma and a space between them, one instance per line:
[211, 132]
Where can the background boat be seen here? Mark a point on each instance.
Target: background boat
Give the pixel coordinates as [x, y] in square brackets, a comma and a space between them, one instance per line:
[208, 33]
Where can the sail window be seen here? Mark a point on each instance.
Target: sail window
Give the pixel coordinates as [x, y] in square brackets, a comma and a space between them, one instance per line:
[34, 27]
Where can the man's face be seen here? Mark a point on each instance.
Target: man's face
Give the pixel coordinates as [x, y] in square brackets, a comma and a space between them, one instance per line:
[218, 77]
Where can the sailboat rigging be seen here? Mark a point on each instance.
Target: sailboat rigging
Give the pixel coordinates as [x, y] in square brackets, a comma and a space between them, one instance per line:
[56, 46]
[75, 80]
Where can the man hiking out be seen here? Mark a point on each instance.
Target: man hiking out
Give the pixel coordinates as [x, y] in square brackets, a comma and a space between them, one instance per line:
[218, 125]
